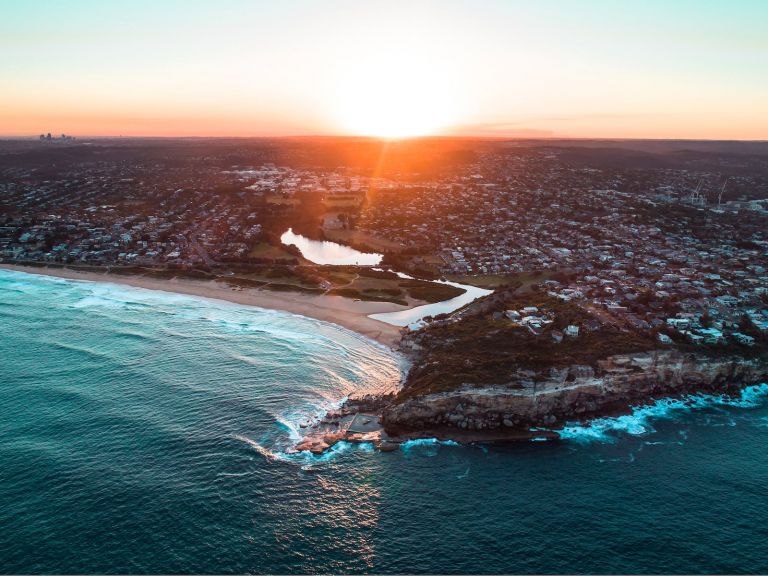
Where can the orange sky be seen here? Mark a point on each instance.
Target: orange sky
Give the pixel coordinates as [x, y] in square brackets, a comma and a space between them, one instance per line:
[551, 68]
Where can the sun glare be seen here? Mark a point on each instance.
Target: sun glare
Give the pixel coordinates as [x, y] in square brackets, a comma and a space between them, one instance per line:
[374, 107]
[402, 91]
[394, 112]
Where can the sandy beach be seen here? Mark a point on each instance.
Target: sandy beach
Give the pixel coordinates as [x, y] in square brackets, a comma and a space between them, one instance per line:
[345, 312]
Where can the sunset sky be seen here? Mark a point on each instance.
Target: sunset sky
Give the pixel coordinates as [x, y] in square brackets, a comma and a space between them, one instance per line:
[657, 69]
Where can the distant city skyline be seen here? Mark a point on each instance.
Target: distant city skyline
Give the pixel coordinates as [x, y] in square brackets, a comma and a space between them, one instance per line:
[594, 69]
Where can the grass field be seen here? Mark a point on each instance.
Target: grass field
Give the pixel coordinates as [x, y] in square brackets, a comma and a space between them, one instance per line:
[264, 250]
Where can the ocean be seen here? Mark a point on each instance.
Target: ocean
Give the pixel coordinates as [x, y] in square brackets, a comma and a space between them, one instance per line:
[145, 432]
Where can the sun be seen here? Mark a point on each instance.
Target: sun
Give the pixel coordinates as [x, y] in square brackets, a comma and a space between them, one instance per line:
[398, 92]
[393, 112]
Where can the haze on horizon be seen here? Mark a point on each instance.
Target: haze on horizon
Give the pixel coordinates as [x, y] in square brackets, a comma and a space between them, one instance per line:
[654, 69]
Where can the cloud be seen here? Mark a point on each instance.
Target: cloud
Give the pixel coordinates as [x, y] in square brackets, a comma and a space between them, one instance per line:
[501, 129]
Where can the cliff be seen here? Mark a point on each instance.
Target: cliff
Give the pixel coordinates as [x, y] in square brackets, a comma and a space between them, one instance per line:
[553, 395]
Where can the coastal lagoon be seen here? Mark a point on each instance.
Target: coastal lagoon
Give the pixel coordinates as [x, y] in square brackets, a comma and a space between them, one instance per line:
[145, 431]
[326, 252]
[331, 253]
[413, 317]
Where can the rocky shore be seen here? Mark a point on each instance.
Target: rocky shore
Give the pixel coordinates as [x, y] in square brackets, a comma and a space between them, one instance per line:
[535, 404]
[549, 398]
[360, 420]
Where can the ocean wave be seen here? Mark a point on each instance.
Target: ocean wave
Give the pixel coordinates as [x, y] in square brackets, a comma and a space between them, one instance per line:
[640, 421]
[83, 350]
[174, 333]
[291, 422]
[306, 460]
[266, 452]
[291, 426]
[306, 366]
[233, 474]
[233, 316]
[309, 461]
[129, 335]
[429, 445]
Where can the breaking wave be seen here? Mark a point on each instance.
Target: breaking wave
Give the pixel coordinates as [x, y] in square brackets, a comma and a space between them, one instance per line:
[640, 421]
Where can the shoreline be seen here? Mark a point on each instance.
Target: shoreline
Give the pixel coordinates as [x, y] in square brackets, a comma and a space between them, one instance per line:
[337, 426]
[345, 313]
[337, 310]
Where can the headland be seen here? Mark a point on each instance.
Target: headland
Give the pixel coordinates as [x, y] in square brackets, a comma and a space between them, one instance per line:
[520, 365]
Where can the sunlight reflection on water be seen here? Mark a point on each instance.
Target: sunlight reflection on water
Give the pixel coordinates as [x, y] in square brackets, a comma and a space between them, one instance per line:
[324, 252]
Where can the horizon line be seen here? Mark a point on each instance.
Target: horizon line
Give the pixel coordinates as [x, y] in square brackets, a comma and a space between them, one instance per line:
[76, 137]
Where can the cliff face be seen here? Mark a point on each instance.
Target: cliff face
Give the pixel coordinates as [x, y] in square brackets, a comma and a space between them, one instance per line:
[575, 392]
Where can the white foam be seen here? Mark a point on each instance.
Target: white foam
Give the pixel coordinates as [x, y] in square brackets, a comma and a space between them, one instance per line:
[99, 301]
[433, 443]
[308, 460]
[268, 454]
[640, 421]
[291, 426]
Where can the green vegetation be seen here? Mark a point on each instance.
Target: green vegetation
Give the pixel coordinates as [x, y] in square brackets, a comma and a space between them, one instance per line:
[271, 252]
[292, 288]
[484, 348]
[244, 283]
[369, 295]
[493, 281]
[429, 291]
[354, 282]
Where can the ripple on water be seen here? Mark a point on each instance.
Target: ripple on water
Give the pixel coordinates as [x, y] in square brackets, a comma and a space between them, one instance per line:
[166, 454]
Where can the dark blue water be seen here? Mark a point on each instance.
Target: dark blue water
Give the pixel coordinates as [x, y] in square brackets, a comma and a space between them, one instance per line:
[144, 432]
